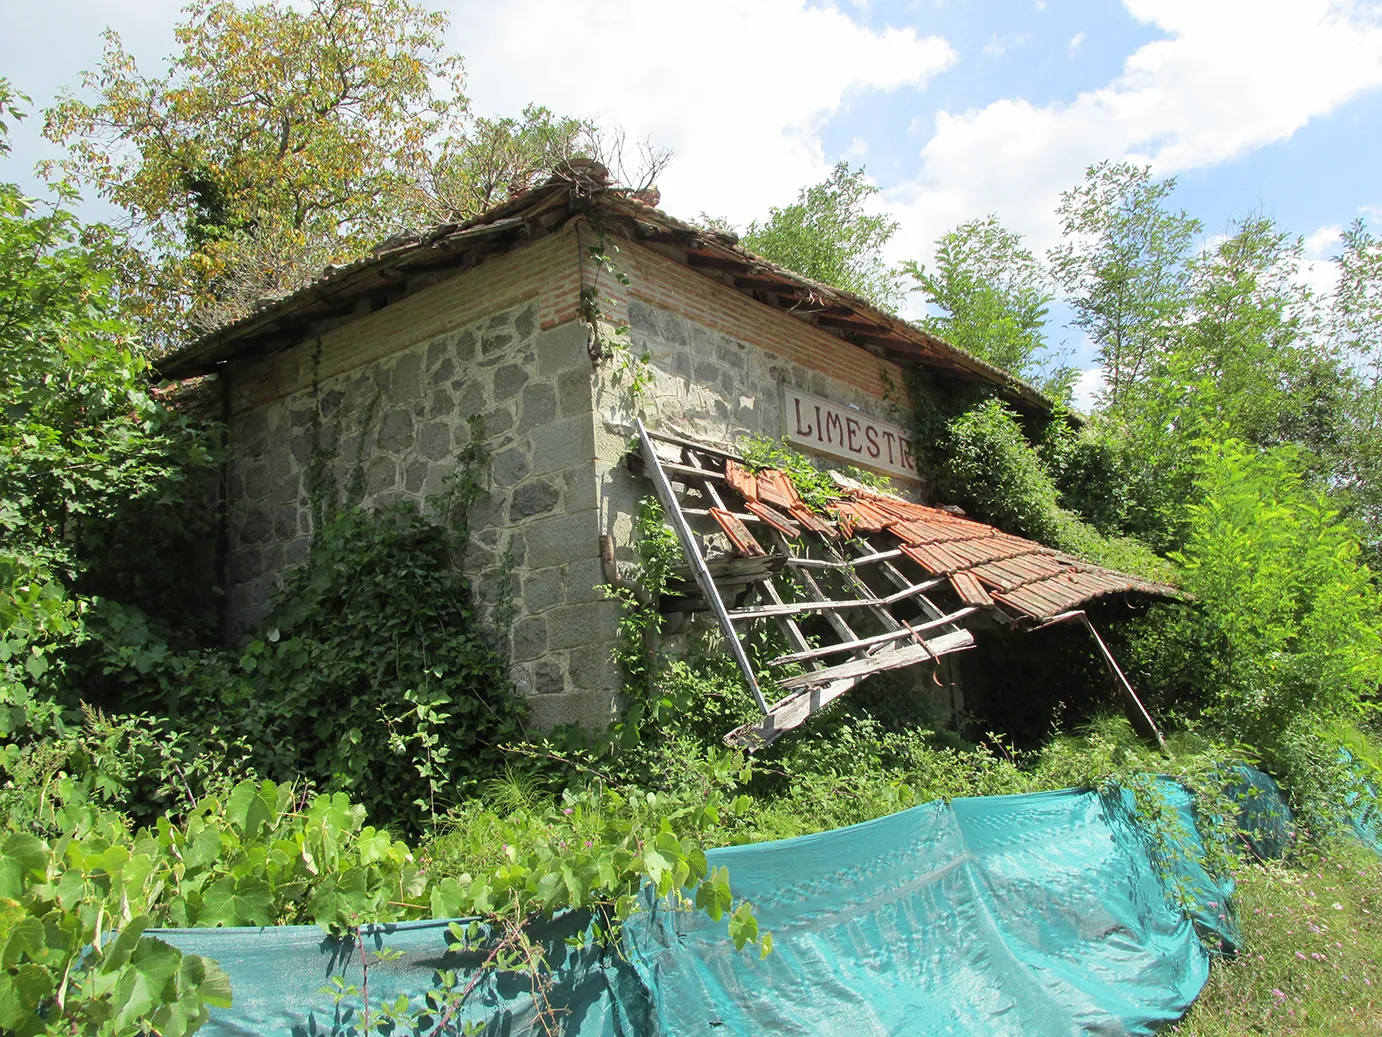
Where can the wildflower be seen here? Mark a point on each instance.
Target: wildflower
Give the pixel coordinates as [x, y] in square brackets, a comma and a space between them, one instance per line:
[1280, 995]
[566, 810]
[1338, 907]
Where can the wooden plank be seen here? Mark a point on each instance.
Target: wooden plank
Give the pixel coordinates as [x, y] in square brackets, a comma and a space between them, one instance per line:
[757, 611]
[788, 713]
[686, 469]
[789, 626]
[889, 659]
[664, 437]
[793, 710]
[821, 563]
[692, 551]
[742, 516]
[876, 639]
[814, 590]
[774, 518]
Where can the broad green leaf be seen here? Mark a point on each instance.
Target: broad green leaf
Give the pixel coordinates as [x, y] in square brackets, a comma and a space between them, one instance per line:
[231, 902]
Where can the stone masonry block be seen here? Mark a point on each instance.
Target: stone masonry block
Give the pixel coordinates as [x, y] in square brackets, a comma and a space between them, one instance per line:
[596, 669]
[508, 380]
[575, 395]
[562, 444]
[509, 467]
[575, 626]
[544, 588]
[589, 709]
[565, 348]
[538, 407]
[549, 678]
[381, 474]
[434, 440]
[463, 347]
[396, 430]
[555, 539]
[529, 638]
[533, 498]
[585, 580]
[407, 377]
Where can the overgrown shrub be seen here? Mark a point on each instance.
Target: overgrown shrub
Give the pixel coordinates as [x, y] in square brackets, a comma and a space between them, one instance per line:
[374, 676]
[989, 468]
[1294, 617]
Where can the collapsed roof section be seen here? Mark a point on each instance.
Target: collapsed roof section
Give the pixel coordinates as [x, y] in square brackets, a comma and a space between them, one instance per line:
[410, 262]
[871, 583]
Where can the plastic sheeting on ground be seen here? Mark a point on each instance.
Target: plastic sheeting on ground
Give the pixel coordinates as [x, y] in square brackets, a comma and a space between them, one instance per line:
[1025, 915]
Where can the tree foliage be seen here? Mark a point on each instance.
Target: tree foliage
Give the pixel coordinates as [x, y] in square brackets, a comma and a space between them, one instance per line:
[1123, 267]
[991, 293]
[830, 235]
[86, 451]
[278, 139]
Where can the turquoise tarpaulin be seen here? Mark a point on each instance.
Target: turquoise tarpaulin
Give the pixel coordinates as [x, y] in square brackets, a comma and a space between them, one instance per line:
[1039, 914]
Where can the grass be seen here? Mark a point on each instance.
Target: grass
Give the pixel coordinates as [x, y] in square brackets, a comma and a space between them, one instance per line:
[1312, 956]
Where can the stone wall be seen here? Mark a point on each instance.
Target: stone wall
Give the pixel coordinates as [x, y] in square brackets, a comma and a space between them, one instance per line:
[705, 385]
[392, 430]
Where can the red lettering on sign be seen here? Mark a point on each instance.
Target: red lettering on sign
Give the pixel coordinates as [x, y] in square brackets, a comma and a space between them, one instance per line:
[832, 421]
[871, 434]
[803, 431]
[852, 425]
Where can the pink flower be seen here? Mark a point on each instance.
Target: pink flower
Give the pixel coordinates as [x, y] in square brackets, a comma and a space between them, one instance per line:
[1279, 995]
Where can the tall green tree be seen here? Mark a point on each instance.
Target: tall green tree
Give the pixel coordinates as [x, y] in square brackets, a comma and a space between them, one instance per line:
[830, 235]
[279, 138]
[1124, 268]
[1250, 357]
[1356, 325]
[85, 449]
[991, 292]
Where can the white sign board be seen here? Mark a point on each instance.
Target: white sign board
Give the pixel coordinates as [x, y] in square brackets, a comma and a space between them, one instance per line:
[828, 428]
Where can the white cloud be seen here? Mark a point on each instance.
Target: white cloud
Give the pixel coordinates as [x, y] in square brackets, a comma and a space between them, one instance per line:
[738, 90]
[1227, 78]
[1321, 243]
[1074, 43]
[1087, 389]
[1318, 271]
[858, 149]
[997, 45]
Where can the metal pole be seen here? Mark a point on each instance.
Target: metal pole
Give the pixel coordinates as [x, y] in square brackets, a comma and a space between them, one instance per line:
[698, 566]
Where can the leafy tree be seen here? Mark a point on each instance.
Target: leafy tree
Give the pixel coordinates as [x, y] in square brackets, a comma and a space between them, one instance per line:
[500, 158]
[1356, 325]
[1124, 269]
[278, 139]
[992, 293]
[829, 235]
[1247, 357]
[1293, 614]
[85, 450]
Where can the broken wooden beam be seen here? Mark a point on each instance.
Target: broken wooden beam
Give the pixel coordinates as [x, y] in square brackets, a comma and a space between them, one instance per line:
[889, 659]
[876, 639]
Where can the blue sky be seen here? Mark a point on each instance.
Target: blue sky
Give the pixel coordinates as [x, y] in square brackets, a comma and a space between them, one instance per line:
[956, 107]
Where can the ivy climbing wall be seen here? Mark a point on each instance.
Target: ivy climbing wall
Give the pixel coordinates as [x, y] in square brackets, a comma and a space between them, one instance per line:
[394, 429]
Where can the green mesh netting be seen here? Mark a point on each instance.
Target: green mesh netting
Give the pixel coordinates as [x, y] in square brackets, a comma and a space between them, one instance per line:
[1039, 914]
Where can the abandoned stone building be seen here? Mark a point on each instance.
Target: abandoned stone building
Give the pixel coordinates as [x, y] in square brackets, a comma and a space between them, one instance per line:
[558, 321]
